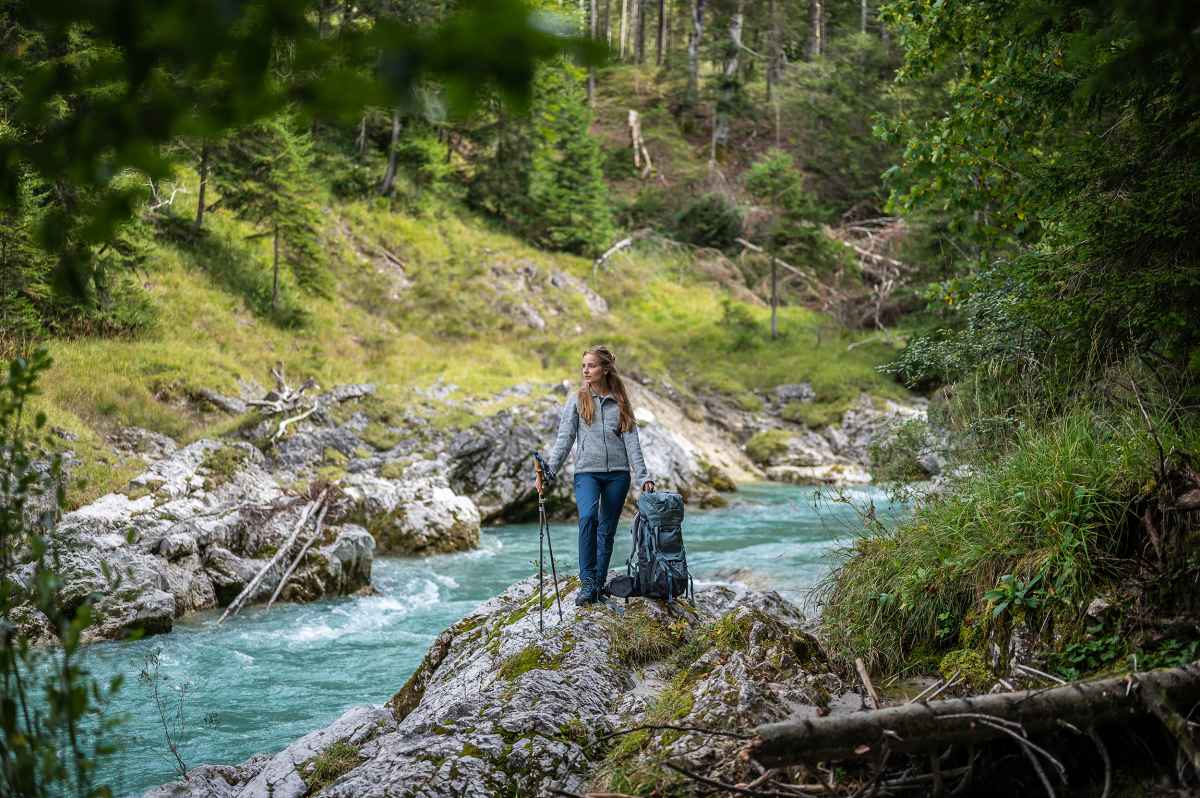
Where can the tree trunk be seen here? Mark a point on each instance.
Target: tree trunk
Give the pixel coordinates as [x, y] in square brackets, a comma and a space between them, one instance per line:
[362, 137]
[729, 81]
[772, 50]
[865, 11]
[924, 726]
[275, 268]
[591, 81]
[606, 19]
[693, 84]
[204, 153]
[661, 37]
[774, 299]
[624, 26]
[816, 28]
[640, 31]
[389, 177]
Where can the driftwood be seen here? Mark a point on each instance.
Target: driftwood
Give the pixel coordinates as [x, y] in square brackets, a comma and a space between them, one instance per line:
[248, 592]
[303, 550]
[285, 399]
[929, 726]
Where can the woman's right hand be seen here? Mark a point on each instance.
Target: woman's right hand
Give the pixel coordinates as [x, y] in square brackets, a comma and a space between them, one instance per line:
[537, 483]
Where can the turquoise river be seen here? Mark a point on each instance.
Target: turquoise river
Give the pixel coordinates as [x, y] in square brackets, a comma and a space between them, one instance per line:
[263, 679]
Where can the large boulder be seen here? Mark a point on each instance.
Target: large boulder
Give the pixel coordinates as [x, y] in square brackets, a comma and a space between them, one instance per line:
[499, 707]
[418, 514]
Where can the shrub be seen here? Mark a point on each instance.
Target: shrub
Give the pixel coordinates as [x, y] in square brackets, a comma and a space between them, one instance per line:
[709, 221]
[766, 445]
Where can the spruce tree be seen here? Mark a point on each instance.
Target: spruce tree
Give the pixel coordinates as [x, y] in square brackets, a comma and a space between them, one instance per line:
[567, 193]
[264, 176]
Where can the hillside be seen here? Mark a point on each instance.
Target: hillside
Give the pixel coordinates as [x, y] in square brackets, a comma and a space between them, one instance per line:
[417, 299]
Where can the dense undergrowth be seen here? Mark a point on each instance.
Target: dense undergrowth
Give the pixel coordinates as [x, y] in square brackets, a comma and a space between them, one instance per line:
[1019, 544]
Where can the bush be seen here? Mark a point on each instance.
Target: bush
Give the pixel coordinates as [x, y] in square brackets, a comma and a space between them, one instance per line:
[709, 221]
[742, 328]
[766, 445]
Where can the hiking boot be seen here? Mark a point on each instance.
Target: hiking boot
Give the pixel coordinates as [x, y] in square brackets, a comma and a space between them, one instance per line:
[584, 596]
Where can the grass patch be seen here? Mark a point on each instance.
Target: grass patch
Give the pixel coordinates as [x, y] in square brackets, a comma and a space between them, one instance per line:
[220, 464]
[530, 658]
[1042, 529]
[335, 761]
[639, 638]
[816, 415]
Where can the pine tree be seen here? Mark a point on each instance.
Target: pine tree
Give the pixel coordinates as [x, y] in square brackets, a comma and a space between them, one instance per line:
[568, 195]
[264, 176]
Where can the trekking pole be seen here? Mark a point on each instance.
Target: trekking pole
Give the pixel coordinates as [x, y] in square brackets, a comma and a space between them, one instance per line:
[544, 534]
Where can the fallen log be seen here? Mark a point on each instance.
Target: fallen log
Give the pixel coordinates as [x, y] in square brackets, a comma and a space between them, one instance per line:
[932, 725]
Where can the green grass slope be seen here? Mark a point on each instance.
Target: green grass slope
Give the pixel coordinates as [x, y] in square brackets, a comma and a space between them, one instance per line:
[418, 297]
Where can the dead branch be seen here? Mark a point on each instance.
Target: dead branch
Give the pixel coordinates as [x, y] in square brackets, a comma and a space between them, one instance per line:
[641, 156]
[248, 592]
[620, 245]
[926, 725]
[303, 550]
[866, 680]
[1155, 699]
[283, 425]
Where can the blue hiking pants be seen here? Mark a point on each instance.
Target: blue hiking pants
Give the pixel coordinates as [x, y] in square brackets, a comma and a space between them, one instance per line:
[599, 495]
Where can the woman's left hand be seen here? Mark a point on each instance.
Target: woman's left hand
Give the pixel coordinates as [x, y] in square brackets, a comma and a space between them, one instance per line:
[647, 486]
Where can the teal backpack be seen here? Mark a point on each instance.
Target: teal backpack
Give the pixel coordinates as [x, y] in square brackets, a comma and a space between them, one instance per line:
[657, 566]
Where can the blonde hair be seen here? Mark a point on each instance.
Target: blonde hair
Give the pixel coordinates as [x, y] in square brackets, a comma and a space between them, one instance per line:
[612, 382]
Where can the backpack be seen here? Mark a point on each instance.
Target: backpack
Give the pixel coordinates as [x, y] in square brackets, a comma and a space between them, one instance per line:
[657, 566]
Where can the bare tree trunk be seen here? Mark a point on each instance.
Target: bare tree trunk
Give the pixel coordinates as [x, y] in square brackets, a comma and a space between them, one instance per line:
[772, 49]
[640, 31]
[774, 299]
[624, 26]
[729, 81]
[275, 268]
[661, 37]
[204, 153]
[606, 16]
[389, 177]
[362, 136]
[693, 84]
[591, 82]
[865, 12]
[816, 28]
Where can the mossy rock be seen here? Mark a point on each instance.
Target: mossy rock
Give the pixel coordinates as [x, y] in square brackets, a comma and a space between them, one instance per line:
[814, 415]
[334, 457]
[221, 464]
[393, 470]
[381, 436]
[530, 658]
[767, 445]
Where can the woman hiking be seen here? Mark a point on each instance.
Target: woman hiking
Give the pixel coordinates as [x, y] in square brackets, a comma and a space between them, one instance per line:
[599, 417]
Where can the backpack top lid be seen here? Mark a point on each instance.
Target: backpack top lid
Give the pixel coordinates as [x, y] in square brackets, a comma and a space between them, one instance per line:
[661, 508]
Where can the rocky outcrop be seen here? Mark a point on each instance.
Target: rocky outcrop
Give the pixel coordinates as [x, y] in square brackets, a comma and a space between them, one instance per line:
[418, 514]
[189, 534]
[499, 708]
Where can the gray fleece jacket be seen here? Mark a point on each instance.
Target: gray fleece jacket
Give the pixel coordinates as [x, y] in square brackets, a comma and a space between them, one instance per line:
[600, 446]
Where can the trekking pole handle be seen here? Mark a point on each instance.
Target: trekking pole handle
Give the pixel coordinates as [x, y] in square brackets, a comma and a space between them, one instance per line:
[542, 471]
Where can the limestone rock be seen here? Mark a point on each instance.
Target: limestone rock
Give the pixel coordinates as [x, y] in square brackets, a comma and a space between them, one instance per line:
[498, 708]
[414, 516]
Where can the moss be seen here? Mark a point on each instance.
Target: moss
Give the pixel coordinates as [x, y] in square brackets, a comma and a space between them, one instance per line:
[328, 766]
[815, 414]
[970, 665]
[220, 464]
[532, 657]
[333, 457]
[470, 749]
[766, 445]
[331, 473]
[381, 436]
[392, 470]
[135, 492]
[363, 453]
[749, 402]
[732, 631]
[717, 478]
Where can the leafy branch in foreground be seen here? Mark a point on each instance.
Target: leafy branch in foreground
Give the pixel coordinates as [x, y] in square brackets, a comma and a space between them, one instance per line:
[53, 732]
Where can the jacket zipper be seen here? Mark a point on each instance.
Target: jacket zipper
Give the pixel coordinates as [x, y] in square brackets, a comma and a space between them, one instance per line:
[604, 433]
